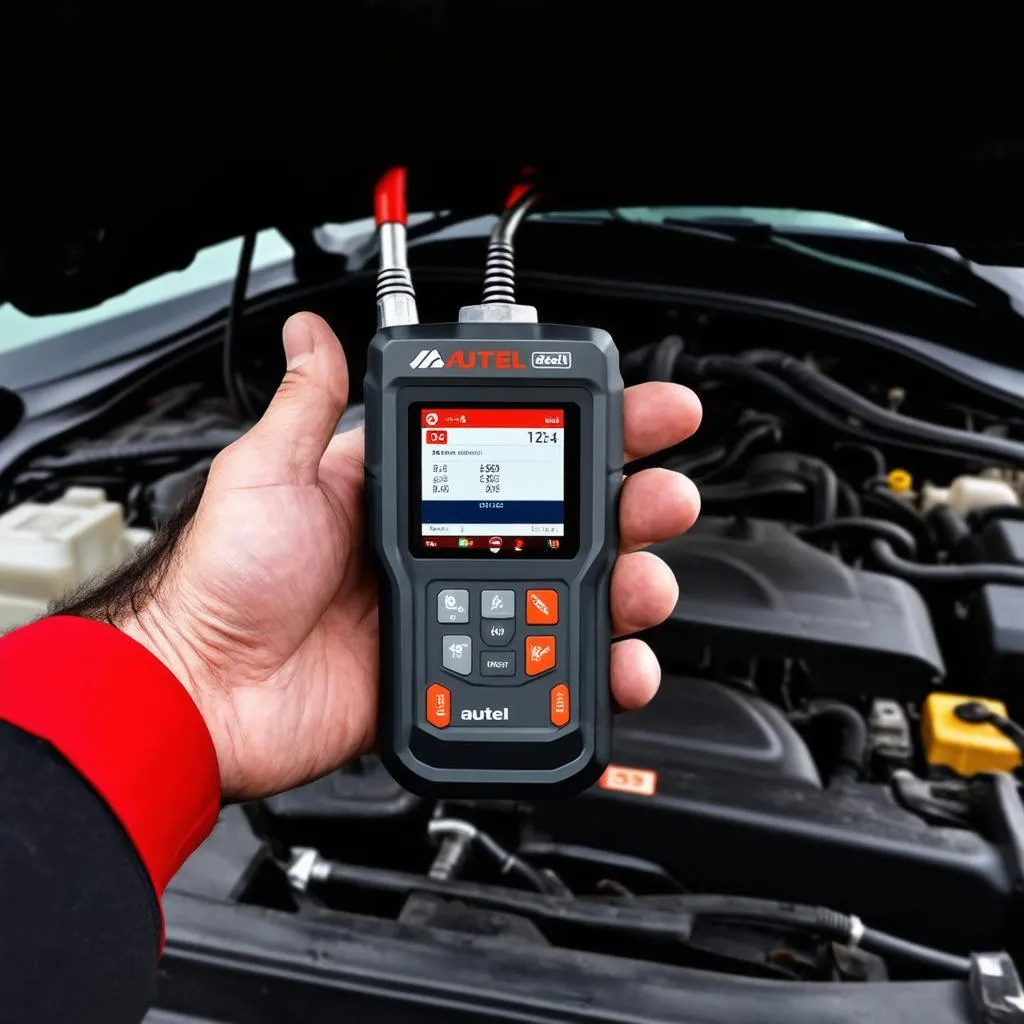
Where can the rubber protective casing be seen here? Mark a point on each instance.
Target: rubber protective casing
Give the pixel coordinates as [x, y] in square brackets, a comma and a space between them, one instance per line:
[485, 764]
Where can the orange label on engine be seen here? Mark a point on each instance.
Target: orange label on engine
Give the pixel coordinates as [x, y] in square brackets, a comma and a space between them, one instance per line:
[638, 781]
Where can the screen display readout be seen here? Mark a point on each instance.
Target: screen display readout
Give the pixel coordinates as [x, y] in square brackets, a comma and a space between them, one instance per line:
[492, 478]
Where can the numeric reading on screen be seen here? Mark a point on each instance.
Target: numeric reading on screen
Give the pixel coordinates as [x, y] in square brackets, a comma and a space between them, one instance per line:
[492, 475]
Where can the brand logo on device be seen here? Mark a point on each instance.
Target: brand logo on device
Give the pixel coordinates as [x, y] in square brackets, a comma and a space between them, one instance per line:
[485, 359]
[428, 359]
[485, 715]
[478, 359]
[551, 360]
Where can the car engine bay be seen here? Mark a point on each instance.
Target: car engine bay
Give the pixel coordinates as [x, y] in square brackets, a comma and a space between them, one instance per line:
[836, 726]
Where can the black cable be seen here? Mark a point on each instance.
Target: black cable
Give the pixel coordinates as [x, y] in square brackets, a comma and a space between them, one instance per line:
[892, 423]
[232, 383]
[966, 576]
[666, 917]
[901, 949]
[823, 921]
[857, 527]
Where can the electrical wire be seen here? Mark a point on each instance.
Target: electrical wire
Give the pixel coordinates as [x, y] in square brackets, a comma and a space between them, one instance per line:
[233, 383]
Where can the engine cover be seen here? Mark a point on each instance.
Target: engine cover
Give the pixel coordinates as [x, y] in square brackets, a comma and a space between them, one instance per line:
[749, 588]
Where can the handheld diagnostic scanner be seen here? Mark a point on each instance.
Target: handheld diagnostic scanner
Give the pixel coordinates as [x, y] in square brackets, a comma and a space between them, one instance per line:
[493, 462]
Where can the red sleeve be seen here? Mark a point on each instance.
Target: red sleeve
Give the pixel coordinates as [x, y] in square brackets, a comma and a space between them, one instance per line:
[125, 723]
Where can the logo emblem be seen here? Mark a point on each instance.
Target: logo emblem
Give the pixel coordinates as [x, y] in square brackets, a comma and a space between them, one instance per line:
[551, 360]
[427, 359]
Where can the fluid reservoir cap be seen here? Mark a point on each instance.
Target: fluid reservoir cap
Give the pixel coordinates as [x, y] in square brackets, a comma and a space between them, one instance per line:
[972, 711]
[900, 481]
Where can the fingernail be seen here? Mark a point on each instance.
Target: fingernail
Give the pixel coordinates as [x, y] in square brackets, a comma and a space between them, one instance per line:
[298, 341]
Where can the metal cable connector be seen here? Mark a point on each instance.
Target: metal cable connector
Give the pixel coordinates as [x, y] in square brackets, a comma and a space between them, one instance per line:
[396, 298]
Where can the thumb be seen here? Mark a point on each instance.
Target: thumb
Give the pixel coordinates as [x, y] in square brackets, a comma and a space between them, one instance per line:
[299, 423]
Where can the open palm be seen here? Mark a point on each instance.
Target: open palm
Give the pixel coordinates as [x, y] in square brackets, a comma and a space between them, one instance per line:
[268, 611]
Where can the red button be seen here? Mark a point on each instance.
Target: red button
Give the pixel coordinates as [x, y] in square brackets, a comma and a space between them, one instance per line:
[439, 705]
[560, 705]
[540, 654]
[541, 607]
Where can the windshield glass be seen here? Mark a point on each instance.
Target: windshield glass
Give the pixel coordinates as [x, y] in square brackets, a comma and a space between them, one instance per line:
[782, 219]
[212, 267]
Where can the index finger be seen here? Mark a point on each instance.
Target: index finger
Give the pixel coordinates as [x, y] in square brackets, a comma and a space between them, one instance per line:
[657, 415]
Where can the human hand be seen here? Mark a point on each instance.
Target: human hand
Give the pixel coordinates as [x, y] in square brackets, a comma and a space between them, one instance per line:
[265, 605]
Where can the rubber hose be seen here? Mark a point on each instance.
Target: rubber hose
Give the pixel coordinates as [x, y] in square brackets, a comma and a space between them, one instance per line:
[209, 444]
[854, 745]
[861, 526]
[662, 365]
[894, 423]
[951, 532]
[980, 518]
[967, 576]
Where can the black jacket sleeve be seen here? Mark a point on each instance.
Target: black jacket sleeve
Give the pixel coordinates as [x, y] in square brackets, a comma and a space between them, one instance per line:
[80, 927]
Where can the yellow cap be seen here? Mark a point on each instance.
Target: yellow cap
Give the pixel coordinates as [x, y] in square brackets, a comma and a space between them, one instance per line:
[900, 481]
[966, 747]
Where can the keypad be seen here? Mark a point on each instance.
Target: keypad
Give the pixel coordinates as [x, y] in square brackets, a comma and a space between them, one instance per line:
[503, 665]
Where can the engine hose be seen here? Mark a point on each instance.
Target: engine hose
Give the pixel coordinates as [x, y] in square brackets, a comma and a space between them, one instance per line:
[967, 576]
[743, 445]
[892, 423]
[951, 532]
[748, 490]
[826, 494]
[908, 516]
[851, 499]
[981, 517]
[861, 527]
[853, 748]
[209, 444]
[943, 441]
[662, 362]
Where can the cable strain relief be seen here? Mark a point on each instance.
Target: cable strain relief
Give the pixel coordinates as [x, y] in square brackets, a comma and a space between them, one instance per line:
[500, 275]
[394, 281]
[834, 925]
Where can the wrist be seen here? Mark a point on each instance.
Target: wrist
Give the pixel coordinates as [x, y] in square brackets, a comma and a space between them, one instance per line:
[160, 628]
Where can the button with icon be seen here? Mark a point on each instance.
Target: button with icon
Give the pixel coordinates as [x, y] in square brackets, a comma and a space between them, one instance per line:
[453, 606]
[498, 604]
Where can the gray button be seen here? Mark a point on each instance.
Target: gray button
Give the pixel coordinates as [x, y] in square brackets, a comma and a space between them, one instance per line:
[493, 664]
[498, 604]
[458, 654]
[497, 632]
[453, 606]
